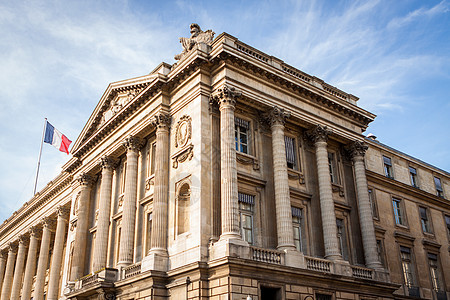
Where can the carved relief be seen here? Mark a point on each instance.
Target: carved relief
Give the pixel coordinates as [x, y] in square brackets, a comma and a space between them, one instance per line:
[117, 103]
[181, 156]
[357, 148]
[132, 143]
[225, 95]
[161, 121]
[277, 116]
[318, 134]
[183, 131]
[75, 204]
[247, 160]
[197, 36]
[149, 182]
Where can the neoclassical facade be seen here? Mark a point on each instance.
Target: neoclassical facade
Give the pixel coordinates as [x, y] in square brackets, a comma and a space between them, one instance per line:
[230, 175]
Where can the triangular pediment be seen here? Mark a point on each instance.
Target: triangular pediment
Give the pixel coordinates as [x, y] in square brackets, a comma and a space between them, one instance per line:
[117, 96]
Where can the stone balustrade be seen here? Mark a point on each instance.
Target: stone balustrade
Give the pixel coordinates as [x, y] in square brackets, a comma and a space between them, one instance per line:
[318, 264]
[132, 270]
[361, 272]
[267, 255]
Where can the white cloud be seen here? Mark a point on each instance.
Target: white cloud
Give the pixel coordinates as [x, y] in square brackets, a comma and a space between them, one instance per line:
[440, 8]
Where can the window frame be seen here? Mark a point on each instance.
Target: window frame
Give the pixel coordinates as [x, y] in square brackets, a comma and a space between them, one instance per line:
[439, 188]
[299, 222]
[237, 133]
[401, 208]
[447, 224]
[333, 167]
[425, 219]
[247, 212]
[373, 202]
[296, 163]
[410, 261]
[413, 177]
[388, 167]
[437, 282]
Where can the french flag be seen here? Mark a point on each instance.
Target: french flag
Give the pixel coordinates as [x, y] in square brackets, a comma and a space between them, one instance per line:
[56, 138]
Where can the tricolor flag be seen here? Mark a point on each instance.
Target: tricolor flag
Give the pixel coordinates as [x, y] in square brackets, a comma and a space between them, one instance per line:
[56, 138]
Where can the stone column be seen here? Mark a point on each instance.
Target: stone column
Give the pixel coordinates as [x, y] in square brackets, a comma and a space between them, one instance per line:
[358, 150]
[84, 202]
[31, 263]
[320, 136]
[58, 247]
[285, 232]
[9, 272]
[44, 254]
[161, 191]
[104, 208]
[2, 268]
[226, 97]
[18, 270]
[126, 247]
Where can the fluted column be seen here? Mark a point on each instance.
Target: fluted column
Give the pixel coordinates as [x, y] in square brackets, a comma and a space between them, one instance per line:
[104, 208]
[358, 150]
[31, 263]
[44, 254]
[281, 182]
[126, 247]
[3, 257]
[58, 247]
[226, 97]
[161, 191]
[9, 272]
[320, 136]
[18, 270]
[79, 253]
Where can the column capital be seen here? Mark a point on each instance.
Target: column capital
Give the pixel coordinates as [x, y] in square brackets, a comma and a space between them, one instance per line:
[132, 143]
[84, 179]
[107, 162]
[48, 222]
[3, 254]
[23, 239]
[318, 134]
[12, 247]
[225, 96]
[63, 212]
[162, 121]
[357, 149]
[277, 116]
[35, 232]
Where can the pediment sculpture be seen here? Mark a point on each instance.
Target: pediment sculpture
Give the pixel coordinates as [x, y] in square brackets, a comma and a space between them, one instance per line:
[197, 36]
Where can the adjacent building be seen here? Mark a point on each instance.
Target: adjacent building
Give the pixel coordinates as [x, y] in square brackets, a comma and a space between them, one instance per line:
[230, 175]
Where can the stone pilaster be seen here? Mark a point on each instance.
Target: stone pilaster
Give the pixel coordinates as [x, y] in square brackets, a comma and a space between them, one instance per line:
[319, 135]
[226, 97]
[104, 208]
[3, 257]
[126, 247]
[79, 255]
[358, 150]
[18, 270]
[161, 192]
[31, 262]
[285, 232]
[55, 267]
[44, 256]
[9, 272]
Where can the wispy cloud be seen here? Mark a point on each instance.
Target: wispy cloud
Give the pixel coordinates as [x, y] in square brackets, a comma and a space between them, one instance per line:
[440, 8]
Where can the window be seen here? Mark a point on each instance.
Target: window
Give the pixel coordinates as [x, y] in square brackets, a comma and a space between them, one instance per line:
[408, 272]
[372, 203]
[290, 152]
[323, 297]
[246, 203]
[342, 238]
[388, 167]
[413, 176]
[241, 133]
[148, 238]
[423, 212]
[297, 223]
[435, 272]
[439, 190]
[398, 213]
[183, 205]
[447, 222]
[380, 252]
[332, 167]
[122, 177]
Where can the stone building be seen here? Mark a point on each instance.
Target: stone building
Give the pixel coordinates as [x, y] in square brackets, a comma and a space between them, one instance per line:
[230, 175]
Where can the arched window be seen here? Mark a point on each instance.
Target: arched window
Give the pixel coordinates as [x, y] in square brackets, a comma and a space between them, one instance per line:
[183, 204]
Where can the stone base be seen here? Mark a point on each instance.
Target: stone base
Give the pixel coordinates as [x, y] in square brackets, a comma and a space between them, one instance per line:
[156, 262]
[343, 267]
[382, 275]
[229, 248]
[294, 258]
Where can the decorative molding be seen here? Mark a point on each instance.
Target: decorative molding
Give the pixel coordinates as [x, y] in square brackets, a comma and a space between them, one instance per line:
[247, 160]
[183, 131]
[107, 162]
[63, 212]
[132, 143]
[225, 96]
[338, 189]
[149, 182]
[318, 134]
[181, 156]
[84, 179]
[293, 174]
[277, 116]
[161, 121]
[357, 149]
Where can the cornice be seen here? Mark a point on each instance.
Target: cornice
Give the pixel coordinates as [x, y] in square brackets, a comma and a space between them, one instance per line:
[407, 189]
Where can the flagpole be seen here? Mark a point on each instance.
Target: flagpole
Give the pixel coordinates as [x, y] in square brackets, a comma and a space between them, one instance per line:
[39, 159]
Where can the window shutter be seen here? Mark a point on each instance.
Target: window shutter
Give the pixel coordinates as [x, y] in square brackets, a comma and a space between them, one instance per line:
[242, 123]
[245, 198]
[296, 212]
[290, 151]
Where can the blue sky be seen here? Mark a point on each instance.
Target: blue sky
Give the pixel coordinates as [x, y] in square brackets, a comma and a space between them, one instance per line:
[57, 58]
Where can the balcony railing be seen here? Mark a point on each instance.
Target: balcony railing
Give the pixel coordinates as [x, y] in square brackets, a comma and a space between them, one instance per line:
[89, 280]
[267, 255]
[361, 272]
[132, 270]
[318, 264]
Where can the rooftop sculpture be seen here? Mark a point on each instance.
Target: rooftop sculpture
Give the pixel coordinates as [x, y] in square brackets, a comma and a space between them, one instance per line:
[197, 36]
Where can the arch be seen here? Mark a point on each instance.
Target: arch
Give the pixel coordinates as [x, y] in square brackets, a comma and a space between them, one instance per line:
[183, 208]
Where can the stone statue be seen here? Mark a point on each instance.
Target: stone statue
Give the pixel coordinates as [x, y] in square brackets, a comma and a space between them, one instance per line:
[197, 36]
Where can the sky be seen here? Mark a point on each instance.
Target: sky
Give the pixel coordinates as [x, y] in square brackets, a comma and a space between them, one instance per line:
[58, 57]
